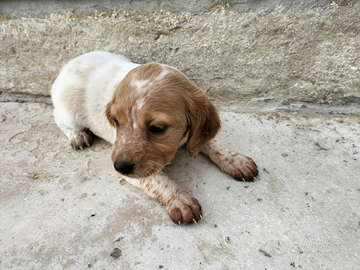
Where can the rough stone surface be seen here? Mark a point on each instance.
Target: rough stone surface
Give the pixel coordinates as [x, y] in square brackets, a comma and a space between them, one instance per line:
[237, 50]
[40, 8]
[67, 209]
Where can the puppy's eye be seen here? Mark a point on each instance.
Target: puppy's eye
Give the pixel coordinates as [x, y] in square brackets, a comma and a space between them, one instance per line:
[116, 122]
[157, 130]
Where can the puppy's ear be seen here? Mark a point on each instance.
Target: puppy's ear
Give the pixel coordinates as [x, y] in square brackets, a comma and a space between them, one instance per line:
[204, 122]
[108, 114]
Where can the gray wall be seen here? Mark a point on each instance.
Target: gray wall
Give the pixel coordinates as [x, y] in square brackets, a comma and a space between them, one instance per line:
[41, 8]
[235, 50]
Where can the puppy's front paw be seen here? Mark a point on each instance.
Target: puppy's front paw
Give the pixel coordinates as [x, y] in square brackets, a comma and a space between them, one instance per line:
[240, 167]
[184, 209]
[81, 139]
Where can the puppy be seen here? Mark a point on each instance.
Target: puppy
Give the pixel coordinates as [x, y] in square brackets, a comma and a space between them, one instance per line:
[146, 112]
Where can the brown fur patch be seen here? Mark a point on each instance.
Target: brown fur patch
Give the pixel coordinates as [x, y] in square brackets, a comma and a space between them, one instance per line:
[184, 209]
[162, 96]
[240, 167]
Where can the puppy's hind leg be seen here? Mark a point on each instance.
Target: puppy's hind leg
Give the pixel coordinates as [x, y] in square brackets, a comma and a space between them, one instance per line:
[78, 135]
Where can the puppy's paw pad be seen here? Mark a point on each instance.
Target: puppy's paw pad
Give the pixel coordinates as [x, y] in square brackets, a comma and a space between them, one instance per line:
[241, 167]
[81, 139]
[184, 209]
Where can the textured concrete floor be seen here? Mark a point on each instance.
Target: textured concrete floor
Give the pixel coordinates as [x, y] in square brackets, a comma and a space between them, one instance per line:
[66, 209]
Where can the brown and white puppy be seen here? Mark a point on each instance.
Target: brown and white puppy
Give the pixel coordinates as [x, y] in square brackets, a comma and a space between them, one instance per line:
[146, 112]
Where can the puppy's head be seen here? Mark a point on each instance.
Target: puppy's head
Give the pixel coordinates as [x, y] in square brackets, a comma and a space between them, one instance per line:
[153, 109]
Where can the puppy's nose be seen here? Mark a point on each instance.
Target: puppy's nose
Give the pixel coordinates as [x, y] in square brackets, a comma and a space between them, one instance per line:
[124, 167]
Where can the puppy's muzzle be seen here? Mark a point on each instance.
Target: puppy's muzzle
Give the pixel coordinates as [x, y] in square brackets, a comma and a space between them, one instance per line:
[124, 168]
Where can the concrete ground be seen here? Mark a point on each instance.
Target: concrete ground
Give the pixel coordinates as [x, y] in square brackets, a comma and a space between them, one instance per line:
[67, 209]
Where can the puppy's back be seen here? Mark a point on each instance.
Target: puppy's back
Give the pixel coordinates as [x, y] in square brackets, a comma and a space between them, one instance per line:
[85, 85]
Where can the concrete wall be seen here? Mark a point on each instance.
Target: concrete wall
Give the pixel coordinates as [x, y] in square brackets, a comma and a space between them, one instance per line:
[236, 50]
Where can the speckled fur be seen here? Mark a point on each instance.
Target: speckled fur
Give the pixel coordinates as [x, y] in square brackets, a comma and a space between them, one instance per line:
[120, 101]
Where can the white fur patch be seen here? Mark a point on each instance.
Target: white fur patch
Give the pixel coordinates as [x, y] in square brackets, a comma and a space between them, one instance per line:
[140, 104]
[163, 73]
[142, 85]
